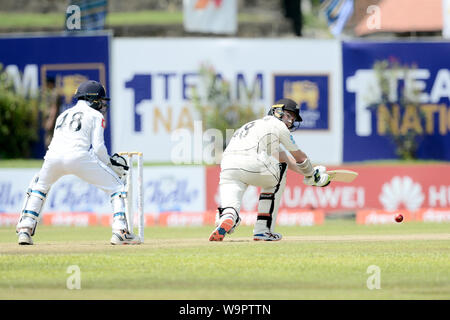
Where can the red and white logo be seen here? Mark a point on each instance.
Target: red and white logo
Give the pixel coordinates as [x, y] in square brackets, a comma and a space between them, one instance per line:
[202, 4]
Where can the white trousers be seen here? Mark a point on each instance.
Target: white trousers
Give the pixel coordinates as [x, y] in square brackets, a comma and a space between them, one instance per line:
[236, 175]
[87, 167]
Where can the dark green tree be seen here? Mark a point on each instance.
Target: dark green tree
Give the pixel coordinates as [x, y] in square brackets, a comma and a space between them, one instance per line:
[19, 120]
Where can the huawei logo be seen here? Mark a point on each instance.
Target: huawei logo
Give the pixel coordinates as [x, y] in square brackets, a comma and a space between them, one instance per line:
[401, 190]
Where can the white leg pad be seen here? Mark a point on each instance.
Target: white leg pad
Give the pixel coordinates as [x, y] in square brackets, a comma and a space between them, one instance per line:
[27, 223]
[34, 199]
[119, 224]
[34, 204]
[32, 207]
[118, 207]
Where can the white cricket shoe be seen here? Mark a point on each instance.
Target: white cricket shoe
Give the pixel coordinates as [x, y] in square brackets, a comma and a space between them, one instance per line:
[267, 236]
[124, 237]
[25, 237]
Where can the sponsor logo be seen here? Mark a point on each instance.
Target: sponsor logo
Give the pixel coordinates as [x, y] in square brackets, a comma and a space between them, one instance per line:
[70, 219]
[435, 215]
[288, 217]
[202, 4]
[169, 193]
[307, 218]
[9, 219]
[181, 219]
[69, 76]
[381, 216]
[401, 191]
[69, 84]
[311, 92]
[434, 101]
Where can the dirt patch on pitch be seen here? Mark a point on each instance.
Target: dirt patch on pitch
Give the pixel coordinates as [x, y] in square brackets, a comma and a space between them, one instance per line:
[154, 244]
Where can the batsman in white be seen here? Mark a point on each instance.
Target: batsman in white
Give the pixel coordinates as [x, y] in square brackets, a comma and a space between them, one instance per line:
[254, 157]
[78, 148]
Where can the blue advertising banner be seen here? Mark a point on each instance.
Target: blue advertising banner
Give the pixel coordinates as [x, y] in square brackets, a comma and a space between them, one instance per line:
[396, 88]
[56, 65]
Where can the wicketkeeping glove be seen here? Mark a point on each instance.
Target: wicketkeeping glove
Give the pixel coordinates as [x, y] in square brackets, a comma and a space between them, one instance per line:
[320, 178]
[119, 165]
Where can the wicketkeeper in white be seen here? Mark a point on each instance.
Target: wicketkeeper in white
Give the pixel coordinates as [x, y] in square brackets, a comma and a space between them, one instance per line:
[254, 157]
[78, 148]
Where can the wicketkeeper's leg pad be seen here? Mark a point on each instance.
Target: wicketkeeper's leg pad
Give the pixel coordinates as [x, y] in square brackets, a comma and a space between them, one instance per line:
[35, 198]
[118, 206]
[26, 222]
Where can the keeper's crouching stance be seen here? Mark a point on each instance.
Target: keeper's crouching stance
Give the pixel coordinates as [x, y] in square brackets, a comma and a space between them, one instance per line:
[78, 148]
[253, 158]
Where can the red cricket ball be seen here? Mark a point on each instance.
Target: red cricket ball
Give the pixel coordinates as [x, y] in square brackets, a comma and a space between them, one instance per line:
[399, 218]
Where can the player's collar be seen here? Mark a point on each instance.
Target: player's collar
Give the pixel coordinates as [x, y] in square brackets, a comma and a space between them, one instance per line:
[82, 103]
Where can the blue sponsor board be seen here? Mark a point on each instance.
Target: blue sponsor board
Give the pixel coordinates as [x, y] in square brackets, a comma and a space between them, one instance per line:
[425, 84]
[64, 61]
[311, 92]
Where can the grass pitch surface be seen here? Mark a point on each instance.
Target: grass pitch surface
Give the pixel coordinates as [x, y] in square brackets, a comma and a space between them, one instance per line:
[320, 262]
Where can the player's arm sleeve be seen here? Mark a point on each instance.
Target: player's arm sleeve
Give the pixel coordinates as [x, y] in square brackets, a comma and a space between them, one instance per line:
[287, 140]
[98, 140]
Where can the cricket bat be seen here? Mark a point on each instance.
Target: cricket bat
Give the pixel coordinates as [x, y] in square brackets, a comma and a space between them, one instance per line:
[342, 175]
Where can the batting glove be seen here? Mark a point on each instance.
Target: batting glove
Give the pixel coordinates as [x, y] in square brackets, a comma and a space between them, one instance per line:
[320, 178]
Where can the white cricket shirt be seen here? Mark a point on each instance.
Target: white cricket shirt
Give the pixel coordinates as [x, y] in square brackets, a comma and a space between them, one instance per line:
[259, 139]
[77, 130]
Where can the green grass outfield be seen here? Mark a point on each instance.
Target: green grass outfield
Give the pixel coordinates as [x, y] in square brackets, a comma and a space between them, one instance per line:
[320, 262]
[37, 163]
[144, 17]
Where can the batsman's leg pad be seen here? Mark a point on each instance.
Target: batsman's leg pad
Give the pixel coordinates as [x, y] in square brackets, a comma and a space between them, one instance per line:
[269, 202]
[265, 209]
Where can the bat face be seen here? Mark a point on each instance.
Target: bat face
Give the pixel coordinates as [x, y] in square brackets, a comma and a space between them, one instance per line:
[342, 175]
